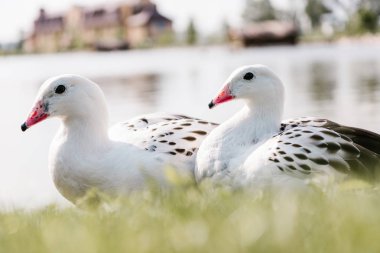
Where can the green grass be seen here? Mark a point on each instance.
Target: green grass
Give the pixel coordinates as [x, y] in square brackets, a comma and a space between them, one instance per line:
[203, 219]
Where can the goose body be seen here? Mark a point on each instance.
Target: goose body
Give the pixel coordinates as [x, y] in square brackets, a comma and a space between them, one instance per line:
[255, 146]
[85, 154]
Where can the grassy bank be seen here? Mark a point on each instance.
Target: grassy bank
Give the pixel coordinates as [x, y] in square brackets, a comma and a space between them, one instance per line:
[191, 219]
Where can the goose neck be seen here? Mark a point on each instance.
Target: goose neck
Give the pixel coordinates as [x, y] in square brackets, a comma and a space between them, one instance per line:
[86, 131]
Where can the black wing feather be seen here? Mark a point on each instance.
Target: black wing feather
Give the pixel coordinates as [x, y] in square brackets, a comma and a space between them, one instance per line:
[367, 164]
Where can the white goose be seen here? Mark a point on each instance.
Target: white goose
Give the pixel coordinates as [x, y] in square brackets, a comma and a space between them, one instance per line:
[84, 155]
[255, 146]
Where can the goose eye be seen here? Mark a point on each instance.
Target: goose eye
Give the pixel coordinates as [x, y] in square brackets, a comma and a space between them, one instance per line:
[248, 76]
[60, 89]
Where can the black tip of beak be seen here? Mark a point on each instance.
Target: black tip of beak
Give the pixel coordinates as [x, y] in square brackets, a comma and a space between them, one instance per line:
[211, 104]
[24, 127]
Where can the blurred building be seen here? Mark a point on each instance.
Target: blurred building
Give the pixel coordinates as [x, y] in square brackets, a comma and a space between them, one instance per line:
[266, 33]
[131, 24]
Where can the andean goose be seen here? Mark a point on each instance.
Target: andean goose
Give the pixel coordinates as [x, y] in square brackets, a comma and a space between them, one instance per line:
[254, 146]
[85, 155]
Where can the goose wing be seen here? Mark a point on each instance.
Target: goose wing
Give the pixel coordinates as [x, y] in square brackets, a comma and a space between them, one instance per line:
[177, 136]
[309, 146]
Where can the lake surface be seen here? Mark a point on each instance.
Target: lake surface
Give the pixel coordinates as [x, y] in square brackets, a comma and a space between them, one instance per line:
[340, 82]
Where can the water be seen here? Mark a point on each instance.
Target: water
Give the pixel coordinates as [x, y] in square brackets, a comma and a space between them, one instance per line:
[340, 82]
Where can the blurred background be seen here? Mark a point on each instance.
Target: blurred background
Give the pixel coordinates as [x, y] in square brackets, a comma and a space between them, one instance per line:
[173, 56]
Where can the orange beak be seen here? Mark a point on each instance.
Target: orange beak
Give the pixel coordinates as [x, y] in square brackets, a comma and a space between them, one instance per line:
[37, 114]
[224, 96]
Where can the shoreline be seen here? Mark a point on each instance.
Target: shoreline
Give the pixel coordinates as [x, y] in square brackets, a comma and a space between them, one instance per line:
[367, 39]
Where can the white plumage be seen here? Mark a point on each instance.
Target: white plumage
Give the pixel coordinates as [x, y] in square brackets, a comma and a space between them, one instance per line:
[84, 155]
[254, 146]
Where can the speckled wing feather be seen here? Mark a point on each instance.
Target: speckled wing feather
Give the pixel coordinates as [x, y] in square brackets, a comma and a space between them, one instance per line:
[177, 136]
[307, 146]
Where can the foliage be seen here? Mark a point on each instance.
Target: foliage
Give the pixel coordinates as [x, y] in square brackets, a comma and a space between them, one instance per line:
[258, 10]
[203, 219]
[368, 20]
[315, 9]
[365, 20]
[226, 31]
[191, 33]
[362, 15]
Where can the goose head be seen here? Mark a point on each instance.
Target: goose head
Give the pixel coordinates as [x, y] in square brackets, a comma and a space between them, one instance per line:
[255, 84]
[67, 97]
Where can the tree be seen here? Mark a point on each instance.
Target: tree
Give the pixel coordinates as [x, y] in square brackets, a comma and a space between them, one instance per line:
[368, 15]
[370, 5]
[368, 20]
[226, 31]
[315, 9]
[364, 17]
[191, 33]
[365, 20]
[258, 10]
